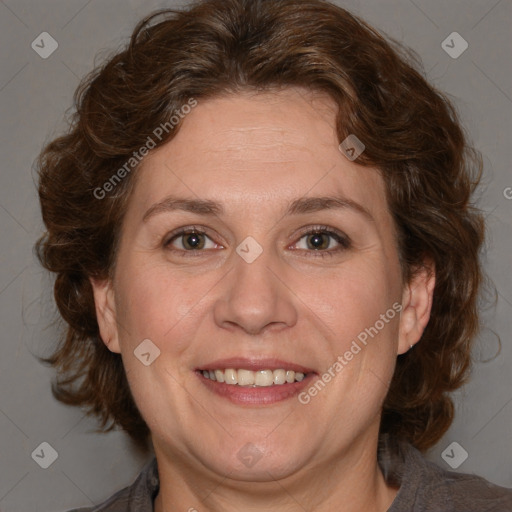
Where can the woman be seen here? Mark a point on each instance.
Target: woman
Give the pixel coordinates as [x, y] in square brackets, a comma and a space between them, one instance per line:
[265, 249]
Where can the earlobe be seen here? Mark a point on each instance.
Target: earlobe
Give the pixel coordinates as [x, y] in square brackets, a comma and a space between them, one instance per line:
[417, 299]
[106, 313]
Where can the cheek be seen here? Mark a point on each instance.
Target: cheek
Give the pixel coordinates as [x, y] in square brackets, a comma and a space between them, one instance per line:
[353, 298]
[161, 305]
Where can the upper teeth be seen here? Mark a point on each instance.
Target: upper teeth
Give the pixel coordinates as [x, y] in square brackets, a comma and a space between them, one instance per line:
[249, 378]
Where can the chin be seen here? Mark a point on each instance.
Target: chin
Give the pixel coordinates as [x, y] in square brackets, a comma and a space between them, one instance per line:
[260, 461]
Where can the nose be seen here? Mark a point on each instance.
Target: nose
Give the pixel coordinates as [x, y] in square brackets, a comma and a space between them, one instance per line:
[255, 297]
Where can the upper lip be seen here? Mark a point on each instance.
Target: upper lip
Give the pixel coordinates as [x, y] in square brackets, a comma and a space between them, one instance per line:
[254, 364]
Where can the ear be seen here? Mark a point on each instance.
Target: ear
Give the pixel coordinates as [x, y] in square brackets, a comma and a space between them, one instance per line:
[106, 313]
[417, 299]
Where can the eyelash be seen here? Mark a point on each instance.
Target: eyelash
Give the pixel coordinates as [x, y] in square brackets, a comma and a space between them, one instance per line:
[343, 241]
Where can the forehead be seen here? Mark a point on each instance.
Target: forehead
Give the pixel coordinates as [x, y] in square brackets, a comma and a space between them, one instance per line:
[238, 148]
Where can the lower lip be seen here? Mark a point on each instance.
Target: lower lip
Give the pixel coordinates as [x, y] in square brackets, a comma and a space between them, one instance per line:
[258, 395]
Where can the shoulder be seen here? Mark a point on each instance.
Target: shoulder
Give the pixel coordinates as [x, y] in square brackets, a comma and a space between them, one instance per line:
[137, 497]
[471, 492]
[426, 487]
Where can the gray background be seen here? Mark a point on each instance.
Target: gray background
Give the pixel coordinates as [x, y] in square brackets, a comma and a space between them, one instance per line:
[34, 95]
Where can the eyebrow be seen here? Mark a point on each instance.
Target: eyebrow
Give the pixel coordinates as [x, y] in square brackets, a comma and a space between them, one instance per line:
[300, 206]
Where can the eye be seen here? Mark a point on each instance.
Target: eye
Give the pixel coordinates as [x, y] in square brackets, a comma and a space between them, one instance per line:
[319, 241]
[323, 240]
[189, 240]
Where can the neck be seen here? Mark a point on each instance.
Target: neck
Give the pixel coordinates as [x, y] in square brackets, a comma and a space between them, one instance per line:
[351, 482]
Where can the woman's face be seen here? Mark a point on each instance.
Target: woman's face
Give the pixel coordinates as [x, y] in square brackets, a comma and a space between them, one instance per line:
[293, 261]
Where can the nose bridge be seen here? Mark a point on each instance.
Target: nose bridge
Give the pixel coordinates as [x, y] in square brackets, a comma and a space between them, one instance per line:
[252, 265]
[253, 296]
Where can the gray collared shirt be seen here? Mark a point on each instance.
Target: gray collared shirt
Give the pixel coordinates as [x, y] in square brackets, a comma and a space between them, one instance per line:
[424, 487]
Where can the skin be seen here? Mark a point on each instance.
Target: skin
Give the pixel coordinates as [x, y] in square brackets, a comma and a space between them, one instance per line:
[255, 153]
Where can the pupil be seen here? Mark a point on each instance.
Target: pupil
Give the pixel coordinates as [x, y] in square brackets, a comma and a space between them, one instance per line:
[316, 241]
[193, 240]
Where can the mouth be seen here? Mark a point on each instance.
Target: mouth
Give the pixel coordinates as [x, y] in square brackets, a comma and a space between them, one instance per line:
[254, 382]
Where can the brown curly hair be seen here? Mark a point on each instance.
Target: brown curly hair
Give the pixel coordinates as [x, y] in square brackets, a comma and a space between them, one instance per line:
[411, 132]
